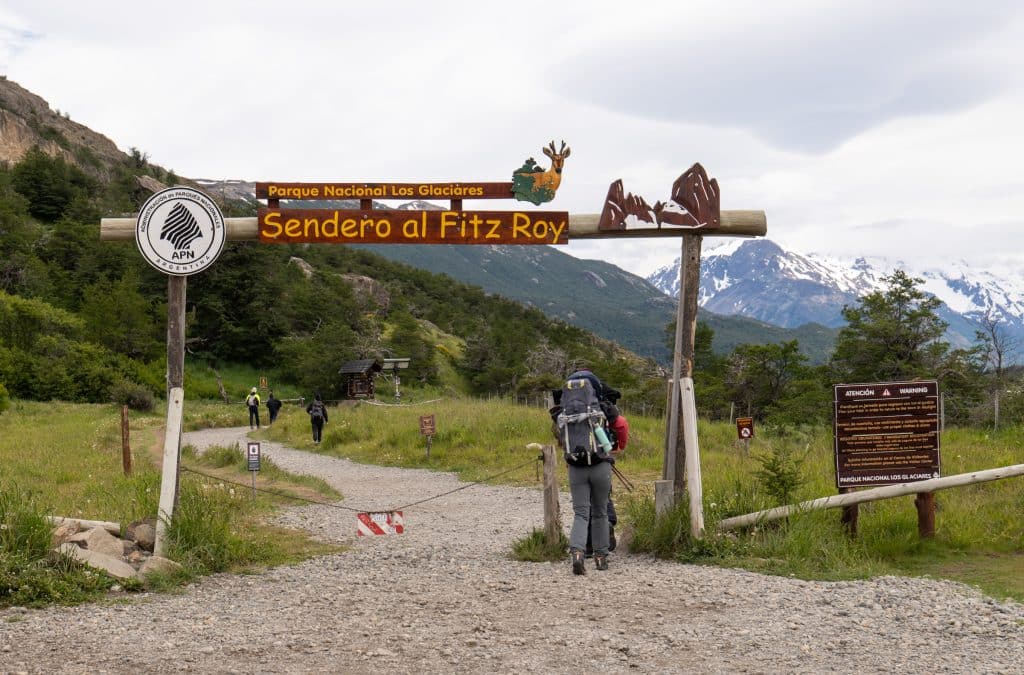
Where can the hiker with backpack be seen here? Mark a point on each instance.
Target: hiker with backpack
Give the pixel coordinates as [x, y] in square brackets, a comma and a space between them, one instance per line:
[273, 407]
[618, 435]
[317, 416]
[580, 427]
[253, 401]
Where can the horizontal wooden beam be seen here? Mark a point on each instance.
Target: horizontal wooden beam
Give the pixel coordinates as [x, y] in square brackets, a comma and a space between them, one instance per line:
[581, 226]
[874, 494]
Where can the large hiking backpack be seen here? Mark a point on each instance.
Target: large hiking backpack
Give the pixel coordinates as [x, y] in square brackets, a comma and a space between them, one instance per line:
[316, 411]
[577, 422]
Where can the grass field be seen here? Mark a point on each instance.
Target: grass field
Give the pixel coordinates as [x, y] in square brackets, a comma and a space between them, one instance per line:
[69, 457]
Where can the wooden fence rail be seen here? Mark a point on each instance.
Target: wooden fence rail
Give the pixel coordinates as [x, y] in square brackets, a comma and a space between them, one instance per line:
[874, 494]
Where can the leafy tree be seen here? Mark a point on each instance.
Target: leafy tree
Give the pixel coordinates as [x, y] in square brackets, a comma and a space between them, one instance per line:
[407, 341]
[49, 184]
[892, 334]
[895, 334]
[120, 318]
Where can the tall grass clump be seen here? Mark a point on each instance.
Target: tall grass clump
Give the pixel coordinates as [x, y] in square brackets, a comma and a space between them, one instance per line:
[534, 547]
[204, 534]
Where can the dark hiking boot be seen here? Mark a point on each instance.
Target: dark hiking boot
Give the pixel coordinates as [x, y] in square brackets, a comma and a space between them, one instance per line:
[601, 562]
[577, 562]
[611, 539]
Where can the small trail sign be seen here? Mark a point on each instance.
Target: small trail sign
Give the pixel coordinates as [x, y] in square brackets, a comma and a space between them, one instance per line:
[427, 429]
[427, 425]
[252, 455]
[745, 428]
[886, 433]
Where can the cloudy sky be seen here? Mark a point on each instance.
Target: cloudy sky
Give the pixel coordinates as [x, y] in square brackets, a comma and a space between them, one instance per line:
[862, 128]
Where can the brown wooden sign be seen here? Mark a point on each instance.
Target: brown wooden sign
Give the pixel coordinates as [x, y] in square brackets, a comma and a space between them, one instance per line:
[427, 426]
[886, 433]
[336, 226]
[334, 191]
[744, 428]
[694, 204]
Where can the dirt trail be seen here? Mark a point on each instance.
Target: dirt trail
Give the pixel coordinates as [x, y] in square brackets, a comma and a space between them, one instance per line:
[444, 597]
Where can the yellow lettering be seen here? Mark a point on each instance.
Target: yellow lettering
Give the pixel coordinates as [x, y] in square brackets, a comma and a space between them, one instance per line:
[383, 229]
[363, 224]
[293, 228]
[557, 230]
[540, 229]
[520, 225]
[332, 223]
[495, 223]
[271, 220]
[410, 229]
[348, 228]
[448, 219]
[476, 221]
[311, 223]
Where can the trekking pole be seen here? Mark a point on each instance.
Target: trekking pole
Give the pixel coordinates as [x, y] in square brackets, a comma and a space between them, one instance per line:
[625, 481]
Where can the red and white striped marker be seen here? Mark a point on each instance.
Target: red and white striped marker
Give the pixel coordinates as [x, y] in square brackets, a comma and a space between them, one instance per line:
[379, 522]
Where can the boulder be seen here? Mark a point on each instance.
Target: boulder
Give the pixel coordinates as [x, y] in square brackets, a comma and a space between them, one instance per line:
[65, 531]
[158, 565]
[145, 537]
[113, 566]
[99, 540]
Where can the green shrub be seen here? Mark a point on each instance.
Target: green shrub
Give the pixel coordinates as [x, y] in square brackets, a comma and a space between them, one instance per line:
[781, 472]
[5, 398]
[133, 395]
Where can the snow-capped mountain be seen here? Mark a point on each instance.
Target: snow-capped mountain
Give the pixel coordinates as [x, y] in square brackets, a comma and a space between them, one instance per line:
[760, 280]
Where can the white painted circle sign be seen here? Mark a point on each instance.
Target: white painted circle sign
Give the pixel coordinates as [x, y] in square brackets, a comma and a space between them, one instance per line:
[180, 231]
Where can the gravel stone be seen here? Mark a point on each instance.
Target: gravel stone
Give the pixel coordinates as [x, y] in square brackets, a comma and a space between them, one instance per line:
[445, 597]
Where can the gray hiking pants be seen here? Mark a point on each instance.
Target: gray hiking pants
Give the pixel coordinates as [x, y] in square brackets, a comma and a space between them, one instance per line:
[590, 487]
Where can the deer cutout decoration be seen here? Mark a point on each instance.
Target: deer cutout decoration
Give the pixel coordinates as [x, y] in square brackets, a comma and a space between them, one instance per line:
[530, 183]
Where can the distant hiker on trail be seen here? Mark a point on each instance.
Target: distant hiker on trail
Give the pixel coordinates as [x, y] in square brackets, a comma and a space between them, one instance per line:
[253, 401]
[317, 416]
[273, 406]
[580, 427]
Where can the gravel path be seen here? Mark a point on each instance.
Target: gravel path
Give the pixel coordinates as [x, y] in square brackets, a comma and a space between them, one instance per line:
[444, 598]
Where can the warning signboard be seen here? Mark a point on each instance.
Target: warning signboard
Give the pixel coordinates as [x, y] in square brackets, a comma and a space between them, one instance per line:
[745, 427]
[886, 433]
[379, 522]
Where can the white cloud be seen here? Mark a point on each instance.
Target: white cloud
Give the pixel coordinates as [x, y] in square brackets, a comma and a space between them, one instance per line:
[866, 128]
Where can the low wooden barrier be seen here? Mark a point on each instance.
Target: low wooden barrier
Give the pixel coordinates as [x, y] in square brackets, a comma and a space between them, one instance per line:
[874, 494]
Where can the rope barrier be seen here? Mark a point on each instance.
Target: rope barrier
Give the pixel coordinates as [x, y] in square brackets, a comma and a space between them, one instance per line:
[349, 508]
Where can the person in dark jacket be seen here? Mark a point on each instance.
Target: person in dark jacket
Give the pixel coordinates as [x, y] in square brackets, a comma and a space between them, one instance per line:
[618, 433]
[317, 416]
[273, 407]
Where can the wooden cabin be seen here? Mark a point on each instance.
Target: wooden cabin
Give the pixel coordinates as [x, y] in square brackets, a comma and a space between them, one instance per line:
[359, 377]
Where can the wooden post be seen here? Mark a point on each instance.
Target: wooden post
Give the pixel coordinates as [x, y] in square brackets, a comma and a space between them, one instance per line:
[175, 403]
[176, 331]
[850, 514]
[169, 472]
[925, 503]
[552, 517]
[663, 497]
[688, 290]
[126, 448]
[694, 484]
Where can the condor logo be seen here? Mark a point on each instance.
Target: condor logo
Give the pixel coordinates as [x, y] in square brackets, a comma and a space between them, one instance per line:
[180, 231]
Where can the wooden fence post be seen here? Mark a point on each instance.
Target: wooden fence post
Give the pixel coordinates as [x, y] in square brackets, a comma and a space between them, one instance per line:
[126, 448]
[552, 517]
[850, 514]
[925, 503]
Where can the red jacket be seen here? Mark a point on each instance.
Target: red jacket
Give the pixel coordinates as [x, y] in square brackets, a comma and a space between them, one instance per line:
[621, 428]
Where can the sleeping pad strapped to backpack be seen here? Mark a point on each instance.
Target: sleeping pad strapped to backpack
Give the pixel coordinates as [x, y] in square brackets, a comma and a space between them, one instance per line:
[580, 416]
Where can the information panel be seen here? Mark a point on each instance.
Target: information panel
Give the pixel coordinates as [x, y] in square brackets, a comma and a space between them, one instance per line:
[886, 433]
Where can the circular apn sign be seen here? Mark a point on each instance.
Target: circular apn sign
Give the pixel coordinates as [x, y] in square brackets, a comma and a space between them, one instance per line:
[180, 231]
